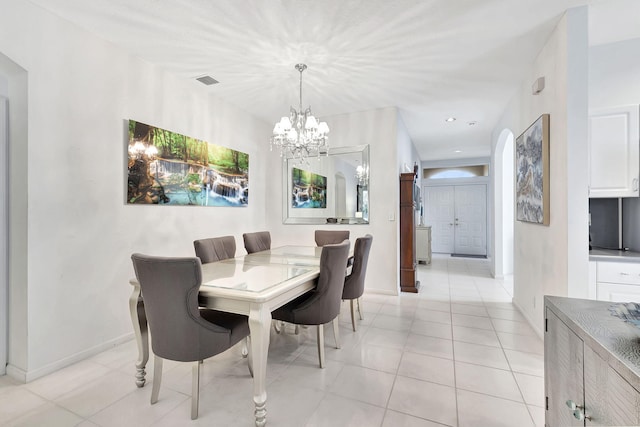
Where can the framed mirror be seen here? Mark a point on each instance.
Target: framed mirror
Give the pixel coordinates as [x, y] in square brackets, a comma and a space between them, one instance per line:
[329, 189]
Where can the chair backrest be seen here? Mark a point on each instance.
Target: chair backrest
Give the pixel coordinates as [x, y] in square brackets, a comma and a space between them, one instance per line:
[331, 237]
[354, 283]
[215, 248]
[324, 304]
[256, 242]
[170, 292]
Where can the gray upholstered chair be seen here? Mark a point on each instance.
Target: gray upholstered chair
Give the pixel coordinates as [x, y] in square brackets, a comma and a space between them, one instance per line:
[218, 249]
[179, 330]
[257, 242]
[354, 283]
[321, 305]
[215, 249]
[331, 237]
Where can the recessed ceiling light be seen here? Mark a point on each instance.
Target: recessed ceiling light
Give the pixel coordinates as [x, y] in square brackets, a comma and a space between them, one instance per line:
[457, 151]
[450, 119]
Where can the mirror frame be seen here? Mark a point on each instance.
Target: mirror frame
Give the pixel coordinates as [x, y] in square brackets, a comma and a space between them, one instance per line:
[334, 151]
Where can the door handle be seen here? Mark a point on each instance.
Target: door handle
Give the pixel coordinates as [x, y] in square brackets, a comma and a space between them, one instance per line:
[634, 184]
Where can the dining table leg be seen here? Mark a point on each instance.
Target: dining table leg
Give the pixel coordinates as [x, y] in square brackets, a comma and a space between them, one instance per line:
[139, 320]
[259, 326]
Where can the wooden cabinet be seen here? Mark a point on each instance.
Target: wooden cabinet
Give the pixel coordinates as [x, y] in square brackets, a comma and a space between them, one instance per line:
[591, 365]
[618, 281]
[408, 282]
[614, 152]
[423, 244]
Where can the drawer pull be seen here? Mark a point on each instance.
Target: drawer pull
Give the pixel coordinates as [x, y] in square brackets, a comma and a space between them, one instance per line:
[624, 274]
[579, 415]
[573, 405]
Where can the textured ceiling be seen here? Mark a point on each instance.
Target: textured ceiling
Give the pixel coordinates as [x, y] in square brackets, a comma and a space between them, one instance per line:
[430, 58]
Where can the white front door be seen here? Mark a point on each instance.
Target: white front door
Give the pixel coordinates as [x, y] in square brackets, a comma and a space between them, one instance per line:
[4, 238]
[439, 214]
[458, 218]
[470, 220]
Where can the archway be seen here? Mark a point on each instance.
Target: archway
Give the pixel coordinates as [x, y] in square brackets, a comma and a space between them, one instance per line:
[504, 194]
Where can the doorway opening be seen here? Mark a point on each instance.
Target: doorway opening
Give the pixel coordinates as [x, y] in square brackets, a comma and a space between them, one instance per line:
[504, 207]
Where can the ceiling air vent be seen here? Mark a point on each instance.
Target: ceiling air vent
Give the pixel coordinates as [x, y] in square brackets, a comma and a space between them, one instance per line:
[207, 80]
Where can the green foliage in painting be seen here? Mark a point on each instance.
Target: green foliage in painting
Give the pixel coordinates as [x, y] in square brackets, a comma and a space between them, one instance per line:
[175, 146]
[194, 178]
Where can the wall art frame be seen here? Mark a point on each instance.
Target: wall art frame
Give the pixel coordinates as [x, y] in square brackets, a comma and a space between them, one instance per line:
[532, 173]
[168, 168]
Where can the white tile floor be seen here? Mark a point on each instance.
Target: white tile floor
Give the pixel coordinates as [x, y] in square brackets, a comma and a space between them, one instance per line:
[456, 354]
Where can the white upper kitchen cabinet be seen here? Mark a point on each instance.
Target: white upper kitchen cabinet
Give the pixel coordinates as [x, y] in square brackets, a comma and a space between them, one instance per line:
[614, 152]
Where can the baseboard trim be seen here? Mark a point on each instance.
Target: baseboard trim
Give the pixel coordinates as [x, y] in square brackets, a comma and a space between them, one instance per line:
[23, 376]
[537, 328]
[381, 292]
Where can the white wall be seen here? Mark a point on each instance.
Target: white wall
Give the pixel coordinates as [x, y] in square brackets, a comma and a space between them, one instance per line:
[378, 129]
[4, 225]
[82, 90]
[553, 260]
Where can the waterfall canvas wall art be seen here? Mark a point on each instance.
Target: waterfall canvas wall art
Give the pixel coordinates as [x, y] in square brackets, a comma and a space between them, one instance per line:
[167, 168]
[309, 189]
[532, 173]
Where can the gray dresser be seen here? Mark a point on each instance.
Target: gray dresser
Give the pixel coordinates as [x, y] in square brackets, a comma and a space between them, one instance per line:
[592, 365]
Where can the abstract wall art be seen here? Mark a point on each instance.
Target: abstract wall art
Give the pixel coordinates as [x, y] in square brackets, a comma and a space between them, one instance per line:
[532, 173]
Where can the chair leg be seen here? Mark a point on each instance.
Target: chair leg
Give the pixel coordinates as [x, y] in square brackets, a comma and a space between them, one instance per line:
[360, 311]
[336, 332]
[353, 316]
[321, 345]
[157, 378]
[245, 347]
[277, 326]
[195, 390]
[297, 330]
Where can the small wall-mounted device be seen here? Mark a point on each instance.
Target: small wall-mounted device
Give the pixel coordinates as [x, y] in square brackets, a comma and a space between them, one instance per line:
[538, 86]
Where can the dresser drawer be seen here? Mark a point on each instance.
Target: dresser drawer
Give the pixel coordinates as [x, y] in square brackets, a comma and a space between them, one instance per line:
[619, 272]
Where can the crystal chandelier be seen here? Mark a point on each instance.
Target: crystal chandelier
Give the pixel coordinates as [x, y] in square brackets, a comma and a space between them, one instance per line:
[300, 136]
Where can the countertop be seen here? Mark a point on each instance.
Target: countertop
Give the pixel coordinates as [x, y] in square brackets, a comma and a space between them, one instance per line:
[613, 255]
[615, 341]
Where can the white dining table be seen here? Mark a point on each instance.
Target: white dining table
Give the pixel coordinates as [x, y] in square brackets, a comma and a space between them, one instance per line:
[253, 285]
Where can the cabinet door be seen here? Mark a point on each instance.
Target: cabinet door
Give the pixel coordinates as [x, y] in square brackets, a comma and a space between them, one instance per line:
[614, 152]
[610, 400]
[439, 214]
[618, 292]
[563, 374]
